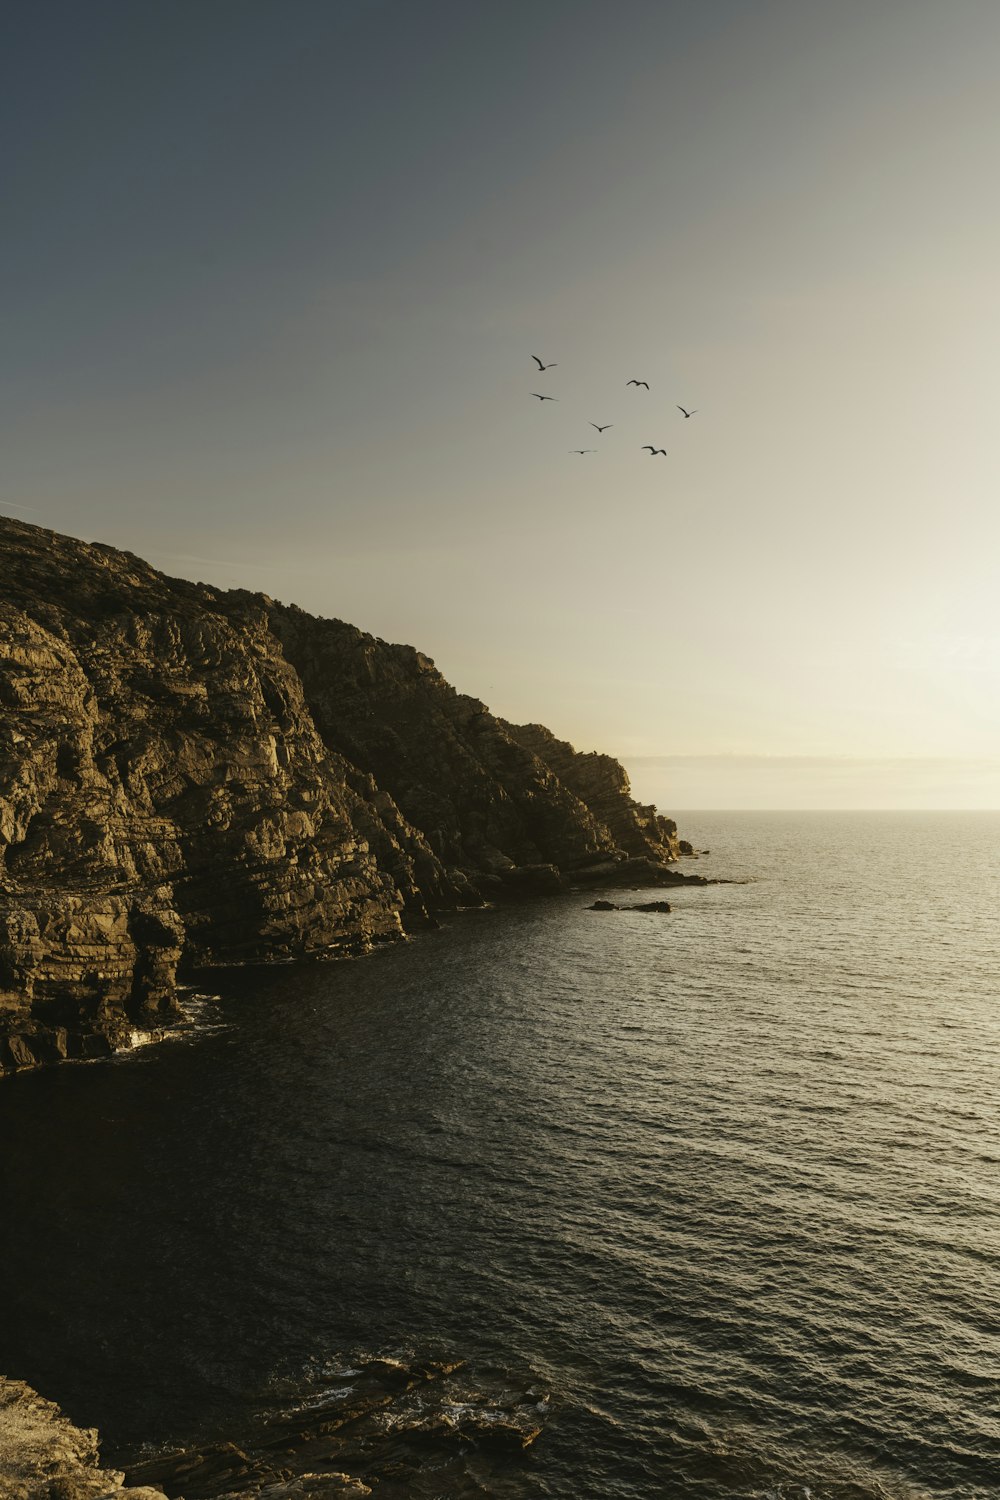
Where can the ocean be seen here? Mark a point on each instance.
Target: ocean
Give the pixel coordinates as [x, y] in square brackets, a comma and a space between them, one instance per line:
[718, 1192]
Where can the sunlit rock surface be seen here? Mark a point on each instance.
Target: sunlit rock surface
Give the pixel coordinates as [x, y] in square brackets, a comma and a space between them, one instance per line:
[44, 1457]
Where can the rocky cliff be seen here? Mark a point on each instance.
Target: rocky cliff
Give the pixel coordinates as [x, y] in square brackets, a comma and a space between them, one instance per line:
[190, 776]
[602, 784]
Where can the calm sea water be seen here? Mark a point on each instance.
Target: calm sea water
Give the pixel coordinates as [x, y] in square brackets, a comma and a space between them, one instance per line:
[727, 1182]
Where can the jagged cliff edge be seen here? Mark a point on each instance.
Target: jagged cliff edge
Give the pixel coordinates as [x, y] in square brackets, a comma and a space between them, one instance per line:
[191, 776]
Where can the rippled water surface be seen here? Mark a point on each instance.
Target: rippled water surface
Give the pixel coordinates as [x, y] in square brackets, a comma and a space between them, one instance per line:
[726, 1182]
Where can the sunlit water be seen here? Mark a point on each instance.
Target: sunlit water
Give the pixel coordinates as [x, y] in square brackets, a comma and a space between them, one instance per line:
[727, 1182]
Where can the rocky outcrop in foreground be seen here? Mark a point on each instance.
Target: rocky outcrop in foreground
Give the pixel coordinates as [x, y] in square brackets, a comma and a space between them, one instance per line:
[383, 1423]
[44, 1457]
[191, 777]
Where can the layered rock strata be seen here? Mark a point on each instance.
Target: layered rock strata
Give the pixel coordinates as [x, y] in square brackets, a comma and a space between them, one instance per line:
[191, 776]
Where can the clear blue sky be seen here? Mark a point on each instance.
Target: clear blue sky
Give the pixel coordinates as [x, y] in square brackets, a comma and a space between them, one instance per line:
[273, 273]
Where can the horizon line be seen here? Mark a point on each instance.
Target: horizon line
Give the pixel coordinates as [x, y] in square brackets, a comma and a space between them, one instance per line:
[675, 811]
[768, 757]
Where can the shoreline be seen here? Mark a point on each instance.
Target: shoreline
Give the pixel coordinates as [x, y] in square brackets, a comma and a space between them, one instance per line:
[36, 1046]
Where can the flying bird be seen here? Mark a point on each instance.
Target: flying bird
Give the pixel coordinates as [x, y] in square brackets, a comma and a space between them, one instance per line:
[544, 398]
[544, 367]
[654, 451]
[687, 413]
[601, 429]
[638, 382]
[583, 450]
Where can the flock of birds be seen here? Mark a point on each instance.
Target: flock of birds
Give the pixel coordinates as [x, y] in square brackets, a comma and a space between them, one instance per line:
[649, 448]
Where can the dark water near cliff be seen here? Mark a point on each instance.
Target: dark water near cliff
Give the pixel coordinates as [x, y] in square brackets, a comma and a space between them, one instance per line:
[727, 1182]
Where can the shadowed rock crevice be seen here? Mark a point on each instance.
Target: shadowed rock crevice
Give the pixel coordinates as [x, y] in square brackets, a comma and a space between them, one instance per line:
[191, 777]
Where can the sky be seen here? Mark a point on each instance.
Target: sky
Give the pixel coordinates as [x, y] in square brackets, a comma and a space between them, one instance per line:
[273, 273]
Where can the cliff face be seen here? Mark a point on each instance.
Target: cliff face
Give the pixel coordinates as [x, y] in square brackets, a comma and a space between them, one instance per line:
[190, 776]
[602, 784]
[482, 799]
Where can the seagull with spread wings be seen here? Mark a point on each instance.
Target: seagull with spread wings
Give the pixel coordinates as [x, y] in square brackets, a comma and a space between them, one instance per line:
[542, 367]
[687, 413]
[544, 398]
[601, 429]
[583, 450]
[654, 451]
[638, 382]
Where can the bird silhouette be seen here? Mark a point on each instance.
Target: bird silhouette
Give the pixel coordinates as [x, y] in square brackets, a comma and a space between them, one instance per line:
[687, 413]
[544, 398]
[601, 429]
[638, 382]
[583, 450]
[654, 451]
[541, 366]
